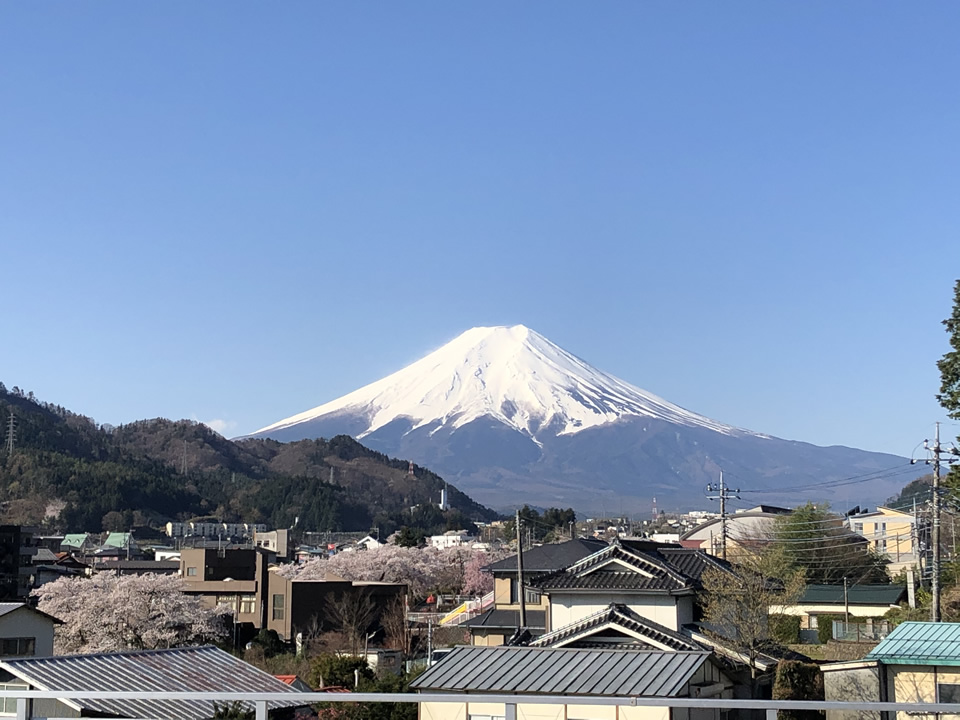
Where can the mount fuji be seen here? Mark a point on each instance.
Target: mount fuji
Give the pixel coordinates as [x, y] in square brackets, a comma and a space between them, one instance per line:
[514, 418]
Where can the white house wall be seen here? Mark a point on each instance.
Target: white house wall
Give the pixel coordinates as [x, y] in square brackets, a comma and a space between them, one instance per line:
[668, 610]
[24, 623]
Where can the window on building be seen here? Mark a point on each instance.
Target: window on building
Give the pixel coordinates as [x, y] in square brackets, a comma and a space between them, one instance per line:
[230, 601]
[11, 647]
[191, 572]
[531, 596]
[858, 528]
[8, 706]
[278, 607]
[486, 717]
[248, 605]
[948, 693]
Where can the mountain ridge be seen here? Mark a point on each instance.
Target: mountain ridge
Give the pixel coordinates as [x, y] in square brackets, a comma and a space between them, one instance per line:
[515, 418]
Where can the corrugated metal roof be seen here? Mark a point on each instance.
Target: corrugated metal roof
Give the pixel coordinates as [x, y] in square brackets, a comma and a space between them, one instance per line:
[9, 607]
[920, 643]
[857, 594]
[176, 670]
[623, 617]
[561, 671]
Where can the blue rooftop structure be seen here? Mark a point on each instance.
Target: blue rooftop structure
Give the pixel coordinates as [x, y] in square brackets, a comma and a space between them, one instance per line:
[920, 643]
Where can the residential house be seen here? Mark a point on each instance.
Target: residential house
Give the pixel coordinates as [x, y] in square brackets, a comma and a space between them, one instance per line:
[369, 543]
[79, 544]
[192, 669]
[237, 578]
[534, 672]
[917, 662]
[25, 631]
[497, 625]
[452, 538]
[825, 603]
[890, 532]
[658, 582]
[636, 595]
[309, 608]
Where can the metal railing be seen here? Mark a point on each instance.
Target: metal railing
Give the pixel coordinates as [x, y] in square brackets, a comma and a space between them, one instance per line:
[261, 701]
[860, 632]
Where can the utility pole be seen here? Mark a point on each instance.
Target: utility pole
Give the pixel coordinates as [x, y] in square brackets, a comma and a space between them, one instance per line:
[846, 603]
[936, 450]
[520, 592]
[724, 493]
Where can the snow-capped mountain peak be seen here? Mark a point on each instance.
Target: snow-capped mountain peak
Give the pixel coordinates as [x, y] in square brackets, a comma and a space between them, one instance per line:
[512, 374]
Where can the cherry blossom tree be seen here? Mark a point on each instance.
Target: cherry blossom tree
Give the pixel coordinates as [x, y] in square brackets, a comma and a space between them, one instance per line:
[132, 612]
[424, 570]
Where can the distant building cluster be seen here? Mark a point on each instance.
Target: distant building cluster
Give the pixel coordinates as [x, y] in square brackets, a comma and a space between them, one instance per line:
[213, 529]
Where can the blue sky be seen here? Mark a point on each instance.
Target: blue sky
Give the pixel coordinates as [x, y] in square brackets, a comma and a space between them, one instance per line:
[235, 211]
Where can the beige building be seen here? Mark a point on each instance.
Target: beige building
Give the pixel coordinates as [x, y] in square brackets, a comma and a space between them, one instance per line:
[890, 532]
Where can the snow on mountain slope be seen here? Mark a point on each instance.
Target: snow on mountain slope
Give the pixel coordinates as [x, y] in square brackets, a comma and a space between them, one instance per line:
[512, 374]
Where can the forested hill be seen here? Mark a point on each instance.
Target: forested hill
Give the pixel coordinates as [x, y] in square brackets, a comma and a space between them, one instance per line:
[69, 474]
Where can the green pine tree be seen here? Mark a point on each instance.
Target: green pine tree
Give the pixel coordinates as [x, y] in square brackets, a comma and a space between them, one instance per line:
[949, 365]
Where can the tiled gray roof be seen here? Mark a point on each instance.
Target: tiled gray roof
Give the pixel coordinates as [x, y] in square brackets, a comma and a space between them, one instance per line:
[622, 616]
[547, 558]
[559, 671]
[632, 569]
[177, 670]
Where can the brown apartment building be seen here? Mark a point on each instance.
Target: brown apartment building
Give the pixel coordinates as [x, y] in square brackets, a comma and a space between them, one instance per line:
[237, 578]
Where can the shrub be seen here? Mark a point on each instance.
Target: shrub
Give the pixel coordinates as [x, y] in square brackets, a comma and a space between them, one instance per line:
[825, 627]
[798, 681]
[785, 629]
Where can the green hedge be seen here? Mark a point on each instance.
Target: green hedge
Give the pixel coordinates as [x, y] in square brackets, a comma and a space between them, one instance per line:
[785, 629]
[825, 627]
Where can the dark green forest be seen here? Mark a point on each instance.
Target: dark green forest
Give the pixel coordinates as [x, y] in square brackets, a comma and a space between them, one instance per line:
[66, 473]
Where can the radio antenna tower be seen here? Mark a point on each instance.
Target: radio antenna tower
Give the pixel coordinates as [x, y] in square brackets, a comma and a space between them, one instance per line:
[11, 434]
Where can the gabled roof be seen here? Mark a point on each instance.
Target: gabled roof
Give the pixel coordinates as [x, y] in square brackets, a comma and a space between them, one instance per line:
[194, 669]
[74, 540]
[619, 567]
[547, 558]
[884, 595]
[652, 635]
[920, 643]
[559, 671]
[9, 607]
[507, 620]
[723, 649]
[118, 540]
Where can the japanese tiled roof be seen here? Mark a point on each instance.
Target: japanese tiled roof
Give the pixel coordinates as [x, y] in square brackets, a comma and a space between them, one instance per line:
[619, 567]
[654, 636]
[547, 558]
